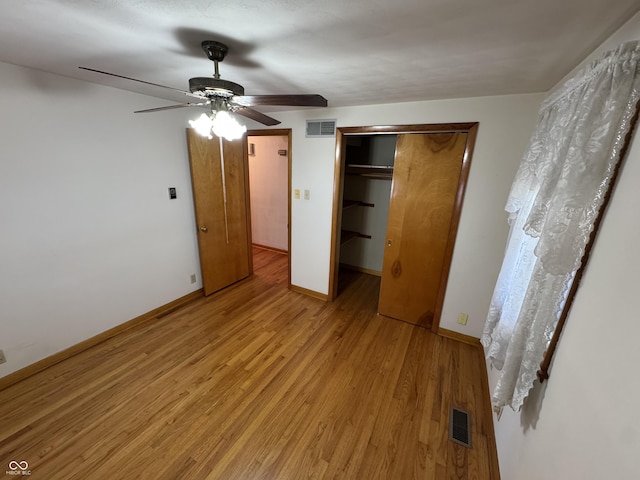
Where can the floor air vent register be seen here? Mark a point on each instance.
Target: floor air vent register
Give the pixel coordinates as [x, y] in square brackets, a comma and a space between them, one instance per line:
[460, 427]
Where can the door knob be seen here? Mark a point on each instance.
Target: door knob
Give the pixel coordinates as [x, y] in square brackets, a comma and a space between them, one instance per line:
[389, 242]
[204, 228]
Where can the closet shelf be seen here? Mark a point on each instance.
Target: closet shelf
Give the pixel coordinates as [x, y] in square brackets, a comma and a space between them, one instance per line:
[371, 171]
[353, 203]
[346, 235]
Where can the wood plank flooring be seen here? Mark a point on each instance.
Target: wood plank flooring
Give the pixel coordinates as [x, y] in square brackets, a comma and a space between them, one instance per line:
[256, 382]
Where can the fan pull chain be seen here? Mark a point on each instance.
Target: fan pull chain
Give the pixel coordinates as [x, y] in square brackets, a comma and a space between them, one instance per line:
[224, 190]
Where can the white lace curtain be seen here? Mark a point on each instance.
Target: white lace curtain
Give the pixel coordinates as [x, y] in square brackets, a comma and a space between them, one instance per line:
[554, 201]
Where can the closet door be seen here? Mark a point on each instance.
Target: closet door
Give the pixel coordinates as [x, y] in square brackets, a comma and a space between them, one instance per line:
[423, 197]
[220, 193]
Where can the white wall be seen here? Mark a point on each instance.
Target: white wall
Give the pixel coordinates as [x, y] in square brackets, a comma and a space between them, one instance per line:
[268, 184]
[584, 423]
[506, 123]
[89, 238]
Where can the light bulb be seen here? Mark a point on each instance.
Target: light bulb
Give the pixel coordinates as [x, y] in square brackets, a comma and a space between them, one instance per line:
[202, 125]
[224, 125]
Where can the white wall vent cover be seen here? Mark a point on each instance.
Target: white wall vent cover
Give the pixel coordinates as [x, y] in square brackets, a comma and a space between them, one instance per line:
[321, 128]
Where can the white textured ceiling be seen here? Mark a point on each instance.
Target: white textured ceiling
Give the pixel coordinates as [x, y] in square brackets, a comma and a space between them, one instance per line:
[353, 52]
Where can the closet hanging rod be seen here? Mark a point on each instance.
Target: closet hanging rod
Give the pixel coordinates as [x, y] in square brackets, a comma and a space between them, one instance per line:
[367, 166]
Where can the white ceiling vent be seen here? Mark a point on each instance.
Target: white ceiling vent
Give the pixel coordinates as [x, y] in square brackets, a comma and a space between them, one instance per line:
[321, 128]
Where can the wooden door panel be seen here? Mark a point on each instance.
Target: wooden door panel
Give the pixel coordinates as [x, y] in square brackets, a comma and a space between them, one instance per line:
[423, 198]
[225, 254]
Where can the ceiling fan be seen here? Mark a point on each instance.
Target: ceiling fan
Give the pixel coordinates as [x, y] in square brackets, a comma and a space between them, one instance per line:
[226, 96]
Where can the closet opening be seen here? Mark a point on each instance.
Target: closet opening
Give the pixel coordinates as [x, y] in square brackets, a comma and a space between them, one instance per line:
[398, 193]
[366, 186]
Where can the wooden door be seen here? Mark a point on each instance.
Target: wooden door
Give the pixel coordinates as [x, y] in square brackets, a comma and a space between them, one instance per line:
[224, 237]
[426, 177]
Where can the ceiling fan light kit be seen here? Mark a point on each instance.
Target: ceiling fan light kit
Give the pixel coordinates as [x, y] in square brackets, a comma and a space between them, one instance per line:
[225, 98]
[219, 122]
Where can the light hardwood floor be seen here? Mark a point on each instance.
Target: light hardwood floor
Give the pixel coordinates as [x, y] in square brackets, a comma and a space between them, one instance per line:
[256, 382]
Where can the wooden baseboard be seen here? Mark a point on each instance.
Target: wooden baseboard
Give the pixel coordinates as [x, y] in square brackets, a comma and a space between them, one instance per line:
[272, 249]
[361, 269]
[311, 293]
[40, 365]
[461, 337]
[494, 465]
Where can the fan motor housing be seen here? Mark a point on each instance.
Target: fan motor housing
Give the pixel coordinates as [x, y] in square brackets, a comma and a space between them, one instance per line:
[208, 86]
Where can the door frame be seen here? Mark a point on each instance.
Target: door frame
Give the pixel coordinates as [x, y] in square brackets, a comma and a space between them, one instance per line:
[470, 128]
[277, 132]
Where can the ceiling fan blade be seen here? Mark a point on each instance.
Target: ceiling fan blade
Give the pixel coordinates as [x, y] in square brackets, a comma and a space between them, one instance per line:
[282, 100]
[170, 107]
[256, 115]
[141, 81]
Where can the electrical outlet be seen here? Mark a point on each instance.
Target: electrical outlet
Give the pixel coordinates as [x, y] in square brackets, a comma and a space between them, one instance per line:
[462, 318]
[193, 278]
[296, 194]
[307, 195]
[3, 359]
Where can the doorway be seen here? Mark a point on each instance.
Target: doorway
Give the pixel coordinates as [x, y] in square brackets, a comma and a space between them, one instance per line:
[269, 165]
[428, 171]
